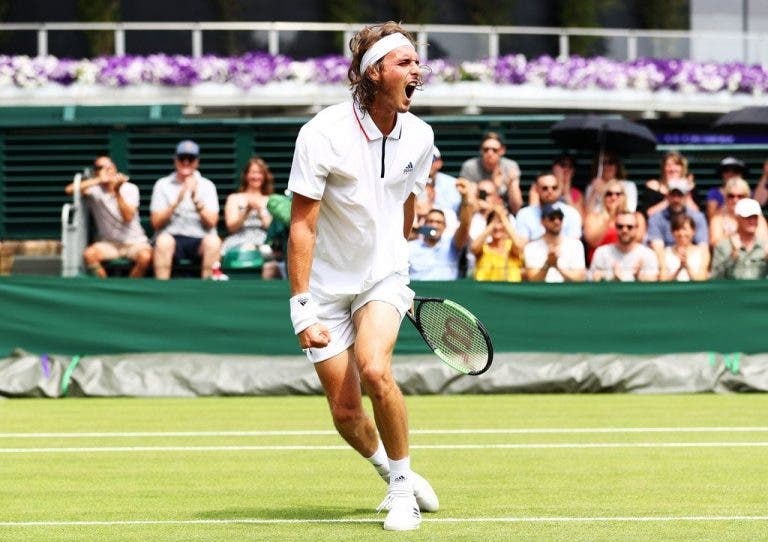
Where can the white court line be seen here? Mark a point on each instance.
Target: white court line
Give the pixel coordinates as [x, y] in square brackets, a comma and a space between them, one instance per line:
[599, 519]
[583, 445]
[510, 431]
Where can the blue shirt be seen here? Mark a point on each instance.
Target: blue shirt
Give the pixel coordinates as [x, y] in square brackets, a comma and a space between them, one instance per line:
[446, 194]
[529, 222]
[439, 262]
[659, 227]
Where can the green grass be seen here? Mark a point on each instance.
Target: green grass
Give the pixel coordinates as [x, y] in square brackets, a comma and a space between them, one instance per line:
[493, 486]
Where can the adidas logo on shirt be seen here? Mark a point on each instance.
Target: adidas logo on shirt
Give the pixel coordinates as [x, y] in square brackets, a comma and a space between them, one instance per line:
[409, 168]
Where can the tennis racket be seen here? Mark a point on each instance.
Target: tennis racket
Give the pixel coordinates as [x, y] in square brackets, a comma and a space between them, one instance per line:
[453, 333]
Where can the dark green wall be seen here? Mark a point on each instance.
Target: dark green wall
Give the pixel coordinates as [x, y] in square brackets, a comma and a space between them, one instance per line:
[42, 148]
[90, 316]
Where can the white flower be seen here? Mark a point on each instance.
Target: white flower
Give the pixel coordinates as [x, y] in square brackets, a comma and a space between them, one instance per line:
[303, 72]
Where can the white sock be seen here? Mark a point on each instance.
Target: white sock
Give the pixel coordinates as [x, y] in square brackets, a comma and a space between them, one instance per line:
[380, 462]
[399, 470]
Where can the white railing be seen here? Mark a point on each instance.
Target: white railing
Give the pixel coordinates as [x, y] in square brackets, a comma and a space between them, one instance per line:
[626, 44]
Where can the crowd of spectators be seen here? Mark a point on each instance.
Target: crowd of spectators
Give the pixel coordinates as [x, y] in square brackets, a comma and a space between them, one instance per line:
[602, 228]
[184, 214]
[473, 226]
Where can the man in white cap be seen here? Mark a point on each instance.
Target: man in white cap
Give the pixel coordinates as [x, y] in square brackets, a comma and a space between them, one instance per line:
[743, 254]
[357, 170]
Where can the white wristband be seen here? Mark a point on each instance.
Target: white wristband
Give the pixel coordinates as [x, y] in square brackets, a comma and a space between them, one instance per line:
[303, 312]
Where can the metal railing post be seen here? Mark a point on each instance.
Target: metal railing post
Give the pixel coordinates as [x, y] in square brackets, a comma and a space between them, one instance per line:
[345, 50]
[562, 41]
[493, 44]
[422, 42]
[197, 41]
[42, 41]
[119, 40]
[631, 46]
[273, 38]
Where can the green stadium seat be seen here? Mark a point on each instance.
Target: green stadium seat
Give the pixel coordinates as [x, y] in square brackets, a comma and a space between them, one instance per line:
[242, 259]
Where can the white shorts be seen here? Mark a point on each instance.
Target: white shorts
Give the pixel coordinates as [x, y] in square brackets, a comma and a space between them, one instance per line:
[335, 312]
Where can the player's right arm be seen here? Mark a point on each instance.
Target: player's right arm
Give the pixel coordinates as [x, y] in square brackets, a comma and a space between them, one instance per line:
[301, 244]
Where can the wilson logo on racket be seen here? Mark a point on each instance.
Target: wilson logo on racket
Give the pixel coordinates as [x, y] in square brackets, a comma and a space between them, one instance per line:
[453, 333]
[457, 336]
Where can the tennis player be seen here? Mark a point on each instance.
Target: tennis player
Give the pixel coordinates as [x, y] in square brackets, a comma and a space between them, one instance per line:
[357, 169]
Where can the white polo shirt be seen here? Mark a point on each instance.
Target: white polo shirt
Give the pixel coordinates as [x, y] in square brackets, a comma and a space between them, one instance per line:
[362, 179]
[185, 219]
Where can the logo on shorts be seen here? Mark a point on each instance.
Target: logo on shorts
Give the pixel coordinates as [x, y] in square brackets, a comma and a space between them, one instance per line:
[409, 168]
[303, 301]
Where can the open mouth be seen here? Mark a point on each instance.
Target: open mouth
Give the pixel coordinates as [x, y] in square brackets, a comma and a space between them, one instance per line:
[410, 88]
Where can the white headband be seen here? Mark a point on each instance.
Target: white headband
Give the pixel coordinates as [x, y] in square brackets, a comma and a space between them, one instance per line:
[380, 49]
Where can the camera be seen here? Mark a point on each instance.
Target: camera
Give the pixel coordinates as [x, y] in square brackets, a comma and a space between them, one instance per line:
[426, 231]
[482, 194]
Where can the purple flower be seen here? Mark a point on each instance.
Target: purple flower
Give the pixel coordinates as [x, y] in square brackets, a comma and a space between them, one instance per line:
[258, 68]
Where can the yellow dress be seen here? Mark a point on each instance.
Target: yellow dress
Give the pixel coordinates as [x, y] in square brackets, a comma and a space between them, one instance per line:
[498, 266]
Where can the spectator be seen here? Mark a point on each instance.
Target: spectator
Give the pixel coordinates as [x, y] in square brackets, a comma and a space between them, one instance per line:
[554, 257]
[627, 259]
[684, 261]
[741, 255]
[761, 190]
[497, 249]
[563, 168]
[673, 166]
[439, 193]
[612, 169]
[436, 256]
[659, 224]
[114, 204]
[723, 222]
[729, 168]
[491, 164]
[486, 201]
[600, 226]
[247, 217]
[446, 196]
[185, 210]
[529, 219]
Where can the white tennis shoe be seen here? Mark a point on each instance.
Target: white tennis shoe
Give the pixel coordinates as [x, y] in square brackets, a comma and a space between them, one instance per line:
[403, 512]
[426, 497]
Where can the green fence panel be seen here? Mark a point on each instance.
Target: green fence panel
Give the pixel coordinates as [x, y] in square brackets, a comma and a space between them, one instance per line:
[90, 316]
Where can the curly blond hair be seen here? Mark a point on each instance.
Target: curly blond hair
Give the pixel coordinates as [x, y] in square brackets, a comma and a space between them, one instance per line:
[363, 87]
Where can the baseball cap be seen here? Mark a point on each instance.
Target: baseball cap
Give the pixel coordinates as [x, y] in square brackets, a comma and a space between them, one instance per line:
[551, 209]
[731, 162]
[681, 185]
[748, 207]
[188, 147]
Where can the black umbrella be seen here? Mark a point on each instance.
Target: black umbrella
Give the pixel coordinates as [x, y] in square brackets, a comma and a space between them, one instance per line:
[603, 133]
[748, 119]
[595, 132]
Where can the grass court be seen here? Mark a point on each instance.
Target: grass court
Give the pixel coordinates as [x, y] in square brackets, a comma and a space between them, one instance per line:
[506, 467]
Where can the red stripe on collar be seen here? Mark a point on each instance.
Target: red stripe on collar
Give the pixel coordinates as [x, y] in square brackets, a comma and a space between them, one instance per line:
[360, 124]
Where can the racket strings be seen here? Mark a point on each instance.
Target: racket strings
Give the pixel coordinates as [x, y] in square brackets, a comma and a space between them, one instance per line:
[454, 336]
